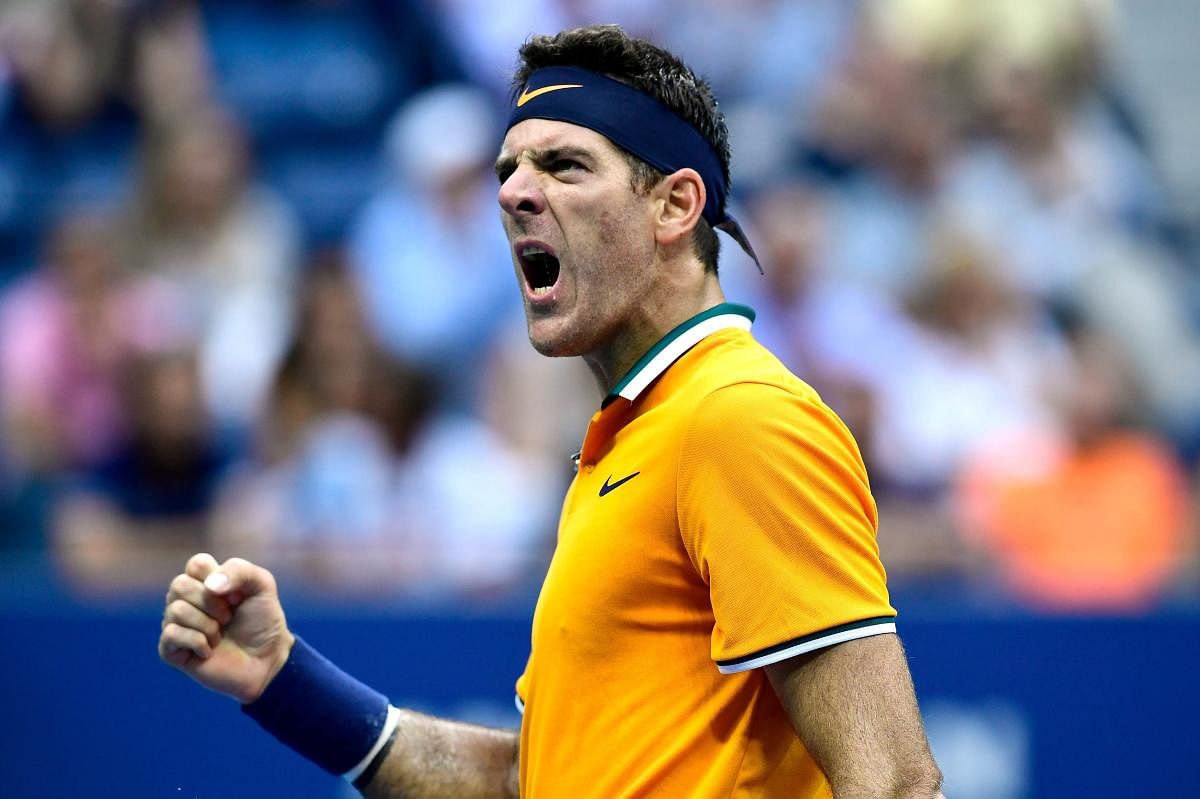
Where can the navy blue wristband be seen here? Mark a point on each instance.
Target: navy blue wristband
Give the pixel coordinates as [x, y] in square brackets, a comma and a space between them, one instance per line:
[321, 712]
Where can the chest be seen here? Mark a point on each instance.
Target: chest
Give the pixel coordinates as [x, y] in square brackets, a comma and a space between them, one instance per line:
[620, 570]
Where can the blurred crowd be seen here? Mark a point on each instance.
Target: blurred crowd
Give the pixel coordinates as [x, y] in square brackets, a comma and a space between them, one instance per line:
[255, 298]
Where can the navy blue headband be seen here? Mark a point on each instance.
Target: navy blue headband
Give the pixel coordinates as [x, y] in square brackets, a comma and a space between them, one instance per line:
[634, 121]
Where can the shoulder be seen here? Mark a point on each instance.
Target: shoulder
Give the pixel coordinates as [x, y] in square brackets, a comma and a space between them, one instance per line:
[735, 360]
[743, 390]
[777, 422]
[747, 413]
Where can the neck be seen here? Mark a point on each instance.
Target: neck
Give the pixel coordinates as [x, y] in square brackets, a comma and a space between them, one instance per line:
[613, 360]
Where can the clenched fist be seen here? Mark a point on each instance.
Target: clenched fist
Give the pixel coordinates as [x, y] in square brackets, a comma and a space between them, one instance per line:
[224, 626]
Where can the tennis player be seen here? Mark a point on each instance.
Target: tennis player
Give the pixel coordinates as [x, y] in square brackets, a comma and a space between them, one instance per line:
[715, 621]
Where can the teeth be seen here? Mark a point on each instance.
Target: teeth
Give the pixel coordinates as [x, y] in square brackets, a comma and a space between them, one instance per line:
[528, 251]
[540, 290]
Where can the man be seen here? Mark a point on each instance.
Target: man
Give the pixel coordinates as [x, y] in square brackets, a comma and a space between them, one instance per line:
[720, 511]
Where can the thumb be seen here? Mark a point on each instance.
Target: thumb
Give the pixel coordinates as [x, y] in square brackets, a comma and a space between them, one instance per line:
[241, 577]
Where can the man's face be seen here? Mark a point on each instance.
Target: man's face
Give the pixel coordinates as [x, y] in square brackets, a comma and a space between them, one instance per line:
[582, 238]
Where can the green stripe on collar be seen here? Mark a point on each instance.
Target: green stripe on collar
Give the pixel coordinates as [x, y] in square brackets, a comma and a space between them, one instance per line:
[676, 343]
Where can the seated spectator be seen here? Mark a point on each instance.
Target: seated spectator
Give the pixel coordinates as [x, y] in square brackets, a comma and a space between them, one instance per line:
[62, 341]
[132, 518]
[73, 59]
[976, 362]
[226, 245]
[882, 133]
[1093, 518]
[360, 487]
[1056, 184]
[432, 263]
[1049, 172]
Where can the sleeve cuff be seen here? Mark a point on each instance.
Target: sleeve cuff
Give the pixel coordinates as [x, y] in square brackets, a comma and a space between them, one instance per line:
[808, 643]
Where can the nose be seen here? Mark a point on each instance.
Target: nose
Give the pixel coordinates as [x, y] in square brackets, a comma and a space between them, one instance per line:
[520, 194]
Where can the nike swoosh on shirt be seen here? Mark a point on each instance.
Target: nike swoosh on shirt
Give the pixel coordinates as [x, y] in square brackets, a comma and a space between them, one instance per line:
[604, 489]
[527, 95]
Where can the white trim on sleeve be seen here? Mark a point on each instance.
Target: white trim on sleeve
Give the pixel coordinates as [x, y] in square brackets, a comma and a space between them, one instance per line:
[810, 645]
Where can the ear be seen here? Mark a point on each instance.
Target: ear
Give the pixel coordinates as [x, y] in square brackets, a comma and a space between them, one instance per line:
[680, 199]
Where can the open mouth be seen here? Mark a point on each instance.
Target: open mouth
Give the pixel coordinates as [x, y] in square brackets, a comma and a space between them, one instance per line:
[540, 268]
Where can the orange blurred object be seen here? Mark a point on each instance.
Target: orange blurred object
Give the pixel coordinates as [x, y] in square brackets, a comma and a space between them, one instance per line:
[1101, 527]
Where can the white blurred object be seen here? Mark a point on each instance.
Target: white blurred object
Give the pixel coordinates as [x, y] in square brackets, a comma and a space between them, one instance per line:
[479, 508]
[983, 749]
[760, 139]
[342, 482]
[442, 133]
[489, 33]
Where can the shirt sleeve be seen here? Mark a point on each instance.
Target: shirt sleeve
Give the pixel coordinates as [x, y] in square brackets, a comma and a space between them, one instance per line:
[521, 689]
[776, 514]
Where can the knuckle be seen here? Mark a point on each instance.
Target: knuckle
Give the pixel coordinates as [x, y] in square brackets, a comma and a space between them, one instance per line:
[179, 584]
[177, 609]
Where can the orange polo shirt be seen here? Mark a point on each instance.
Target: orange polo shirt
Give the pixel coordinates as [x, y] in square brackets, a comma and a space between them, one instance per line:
[720, 521]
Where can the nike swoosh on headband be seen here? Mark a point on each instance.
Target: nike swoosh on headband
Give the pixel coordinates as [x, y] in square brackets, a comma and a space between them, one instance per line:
[527, 95]
[638, 123]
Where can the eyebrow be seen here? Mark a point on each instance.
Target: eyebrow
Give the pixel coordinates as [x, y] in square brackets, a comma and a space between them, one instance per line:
[506, 164]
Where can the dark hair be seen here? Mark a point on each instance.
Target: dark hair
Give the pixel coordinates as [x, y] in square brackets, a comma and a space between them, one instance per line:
[610, 51]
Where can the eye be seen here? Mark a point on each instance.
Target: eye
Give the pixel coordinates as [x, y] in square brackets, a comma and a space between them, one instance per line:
[564, 165]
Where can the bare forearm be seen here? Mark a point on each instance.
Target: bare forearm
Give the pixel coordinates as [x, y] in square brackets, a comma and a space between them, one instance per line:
[853, 706]
[432, 758]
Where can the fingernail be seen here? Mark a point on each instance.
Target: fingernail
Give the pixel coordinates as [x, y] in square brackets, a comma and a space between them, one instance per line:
[216, 582]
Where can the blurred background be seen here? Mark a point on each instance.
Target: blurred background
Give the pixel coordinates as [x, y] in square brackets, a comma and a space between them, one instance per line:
[255, 300]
